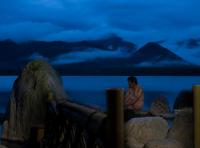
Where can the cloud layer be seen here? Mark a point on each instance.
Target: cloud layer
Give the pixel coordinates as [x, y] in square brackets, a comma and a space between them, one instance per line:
[138, 21]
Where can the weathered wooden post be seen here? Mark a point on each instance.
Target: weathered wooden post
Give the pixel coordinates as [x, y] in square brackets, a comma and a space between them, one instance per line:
[196, 91]
[115, 112]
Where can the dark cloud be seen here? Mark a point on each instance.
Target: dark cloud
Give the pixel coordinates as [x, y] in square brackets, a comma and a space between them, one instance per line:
[190, 43]
[27, 31]
[77, 19]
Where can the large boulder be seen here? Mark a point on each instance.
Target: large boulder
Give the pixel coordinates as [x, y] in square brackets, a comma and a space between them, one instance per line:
[139, 131]
[184, 100]
[165, 143]
[183, 128]
[37, 85]
[159, 106]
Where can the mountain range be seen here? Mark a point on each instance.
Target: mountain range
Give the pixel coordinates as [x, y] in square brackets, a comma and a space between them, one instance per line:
[150, 59]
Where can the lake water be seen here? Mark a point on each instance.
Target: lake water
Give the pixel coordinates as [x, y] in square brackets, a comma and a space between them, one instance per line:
[90, 90]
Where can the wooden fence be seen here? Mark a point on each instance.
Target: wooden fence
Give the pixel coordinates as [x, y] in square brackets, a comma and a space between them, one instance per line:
[77, 126]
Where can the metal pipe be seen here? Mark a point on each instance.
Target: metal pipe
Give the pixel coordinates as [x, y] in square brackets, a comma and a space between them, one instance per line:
[196, 91]
[115, 112]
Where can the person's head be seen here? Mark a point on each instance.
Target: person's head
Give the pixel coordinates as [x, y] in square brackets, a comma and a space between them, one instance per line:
[132, 81]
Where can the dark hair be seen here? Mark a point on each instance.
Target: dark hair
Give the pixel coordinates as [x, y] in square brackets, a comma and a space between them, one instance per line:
[133, 79]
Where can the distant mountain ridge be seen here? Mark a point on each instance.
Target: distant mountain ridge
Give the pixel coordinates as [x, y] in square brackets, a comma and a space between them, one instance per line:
[53, 48]
[152, 55]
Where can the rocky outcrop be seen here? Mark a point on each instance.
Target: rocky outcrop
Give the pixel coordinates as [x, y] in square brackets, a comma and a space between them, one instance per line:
[159, 106]
[165, 143]
[37, 85]
[2, 146]
[139, 131]
[183, 128]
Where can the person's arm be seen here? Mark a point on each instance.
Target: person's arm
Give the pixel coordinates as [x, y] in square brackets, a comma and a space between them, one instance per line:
[130, 98]
[138, 95]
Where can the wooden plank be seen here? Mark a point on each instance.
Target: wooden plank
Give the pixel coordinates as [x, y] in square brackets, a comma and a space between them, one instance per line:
[1, 118]
[196, 90]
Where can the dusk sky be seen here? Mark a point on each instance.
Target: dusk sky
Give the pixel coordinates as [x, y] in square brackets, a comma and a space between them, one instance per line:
[135, 20]
[138, 21]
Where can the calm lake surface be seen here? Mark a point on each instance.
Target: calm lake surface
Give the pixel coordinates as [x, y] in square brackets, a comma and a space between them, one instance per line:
[90, 90]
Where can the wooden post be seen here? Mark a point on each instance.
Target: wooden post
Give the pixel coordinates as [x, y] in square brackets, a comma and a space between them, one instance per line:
[115, 112]
[196, 91]
[36, 135]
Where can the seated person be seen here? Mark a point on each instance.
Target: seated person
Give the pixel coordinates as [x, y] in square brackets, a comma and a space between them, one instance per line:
[134, 98]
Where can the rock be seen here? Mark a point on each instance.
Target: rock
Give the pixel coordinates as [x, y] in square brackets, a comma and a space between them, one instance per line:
[2, 146]
[139, 131]
[183, 128]
[159, 106]
[184, 100]
[37, 85]
[5, 129]
[165, 143]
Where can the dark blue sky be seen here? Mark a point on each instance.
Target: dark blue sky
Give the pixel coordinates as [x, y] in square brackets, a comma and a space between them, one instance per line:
[138, 21]
[135, 20]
